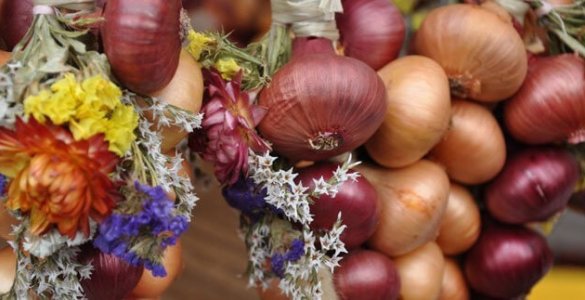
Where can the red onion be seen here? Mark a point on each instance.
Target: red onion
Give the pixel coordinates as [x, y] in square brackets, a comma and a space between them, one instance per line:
[322, 105]
[549, 107]
[366, 272]
[311, 45]
[111, 278]
[371, 31]
[141, 40]
[15, 20]
[507, 261]
[356, 200]
[534, 185]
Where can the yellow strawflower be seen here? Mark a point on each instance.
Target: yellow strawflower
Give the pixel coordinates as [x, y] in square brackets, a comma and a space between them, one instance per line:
[227, 67]
[89, 108]
[197, 42]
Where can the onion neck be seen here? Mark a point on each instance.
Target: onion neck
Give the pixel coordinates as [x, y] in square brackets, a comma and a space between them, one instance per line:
[464, 85]
[325, 141]
[311, 45]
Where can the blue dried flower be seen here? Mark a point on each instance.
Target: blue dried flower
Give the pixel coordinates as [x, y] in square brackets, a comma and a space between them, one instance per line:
[120, 232]
[3, 184]
[294, 253]
[247, 197]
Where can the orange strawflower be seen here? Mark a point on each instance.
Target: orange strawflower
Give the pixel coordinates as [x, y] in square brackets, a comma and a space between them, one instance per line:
[56, 179]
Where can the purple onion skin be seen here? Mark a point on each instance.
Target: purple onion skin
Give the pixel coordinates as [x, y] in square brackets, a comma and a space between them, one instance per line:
[15, 21]
[534, 185]
[357, 202]
[507, 261]
[372, 31]
[366, 274]
[111, 278]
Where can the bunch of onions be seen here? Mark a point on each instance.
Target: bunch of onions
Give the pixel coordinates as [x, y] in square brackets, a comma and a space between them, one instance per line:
[322, 105]
[507, 261]
[454, 286]
[149, 287]
[421, 273]
[413, 200]
[7, 269]
[461, 223]
[111, 277]
[185, 91]
[417, 114]
[356, 200]
[473, 150]
[535, 184]
[142, 42]
[15, 20]
[366, 272]
[549, 107]
[371, 30]
[482, 54]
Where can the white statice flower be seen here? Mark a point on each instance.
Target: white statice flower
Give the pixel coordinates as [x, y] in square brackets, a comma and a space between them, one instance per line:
[45, 245]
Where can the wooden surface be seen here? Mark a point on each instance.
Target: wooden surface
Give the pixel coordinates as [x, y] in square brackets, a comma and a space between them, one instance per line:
[215, 257]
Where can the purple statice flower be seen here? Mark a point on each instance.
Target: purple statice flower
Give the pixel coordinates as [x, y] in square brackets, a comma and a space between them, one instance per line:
[278, 260]
[3, 184]
[247, 197]
[120, 232]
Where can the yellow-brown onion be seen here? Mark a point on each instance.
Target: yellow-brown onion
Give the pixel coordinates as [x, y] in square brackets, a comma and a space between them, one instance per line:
[461, 223]
[417, 114]
[153, 287]
[6, 223]
[185, 91]
[322, 105]
[482, 54]
[421, 273]
[413, 200]
[473, 150]
[142, 42]
[550, 107]
[371, 30]
[7, 269]
[454, 286]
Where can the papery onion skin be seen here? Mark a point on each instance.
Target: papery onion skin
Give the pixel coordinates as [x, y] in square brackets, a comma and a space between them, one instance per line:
[366, 272]
[454, 285]
[473, 150]
[421, 273]
[185, 91]
[153, 287]
[7, 269]
[15, 20]
[321, 106]
[461, 222]
[482, 54]
[356, 200]
[412, 203]
[549, 107]
[417, 114]
[372, 31]
[111, 277]
[141, 40]
[534, 185]
[507, 261]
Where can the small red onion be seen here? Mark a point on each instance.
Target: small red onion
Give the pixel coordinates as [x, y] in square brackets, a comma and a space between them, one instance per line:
[534, 185]
[371, 30]
[356, 200]
[507, 261]
[549, 107]
[367, 273]
[15, 20]
[321, 106]
[311, 45]
[111, 277]
[142, 42]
